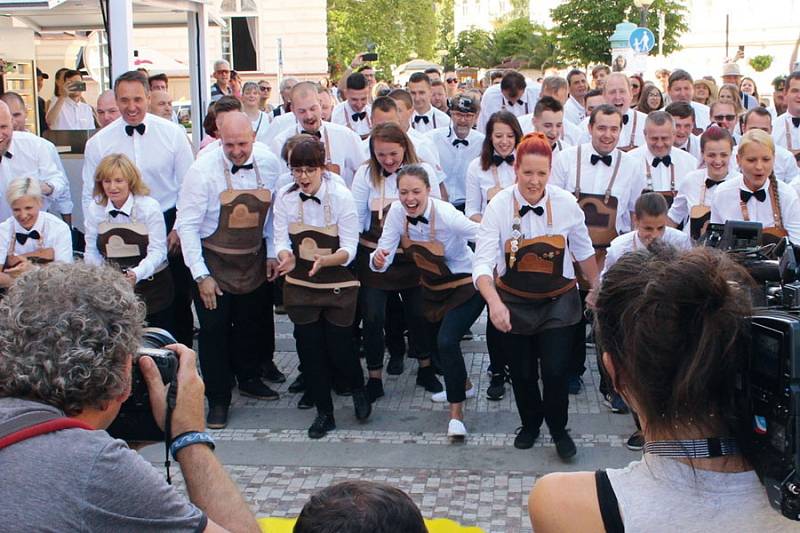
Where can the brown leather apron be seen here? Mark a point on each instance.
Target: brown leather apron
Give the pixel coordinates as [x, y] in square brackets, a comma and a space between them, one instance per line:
[332, 293]
[235, 252]
[497, 187]
[631, 142]
[40, 256]
[774, 233]
[330, 166]
[442, 290]
[699, 215]
[669, 195]
[403, 273]
[533, 287]
[125, 245]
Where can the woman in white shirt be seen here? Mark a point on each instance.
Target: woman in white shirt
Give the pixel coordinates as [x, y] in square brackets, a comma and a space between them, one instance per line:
[251, 98]
[528, 238]
[316, 235]
[696, 190]
[30, 236]
[374, 190]
[436, 235]
[125, 227]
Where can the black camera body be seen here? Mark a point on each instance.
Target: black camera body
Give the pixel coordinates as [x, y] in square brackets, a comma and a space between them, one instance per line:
[135, 422]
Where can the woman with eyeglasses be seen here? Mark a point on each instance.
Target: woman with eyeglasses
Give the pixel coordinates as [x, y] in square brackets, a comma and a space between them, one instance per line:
[251, 101]
[451, 82]
[264, 92]
[650, 100]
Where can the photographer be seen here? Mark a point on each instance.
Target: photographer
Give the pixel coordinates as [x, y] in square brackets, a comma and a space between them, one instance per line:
[674, 338]
[67, 335]
[70, 111]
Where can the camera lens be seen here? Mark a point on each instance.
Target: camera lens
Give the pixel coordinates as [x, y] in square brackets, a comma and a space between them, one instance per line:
[157, 338]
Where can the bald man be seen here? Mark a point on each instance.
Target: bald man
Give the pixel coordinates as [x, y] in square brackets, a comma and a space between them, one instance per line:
[617, 92]
[107, 109]
[231, 265]
[161, 104]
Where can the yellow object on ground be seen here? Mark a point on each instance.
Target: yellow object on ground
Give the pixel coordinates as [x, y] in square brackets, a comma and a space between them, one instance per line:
[436, 525]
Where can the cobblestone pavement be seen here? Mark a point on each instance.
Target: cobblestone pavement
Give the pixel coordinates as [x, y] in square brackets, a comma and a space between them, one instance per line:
[484, 481]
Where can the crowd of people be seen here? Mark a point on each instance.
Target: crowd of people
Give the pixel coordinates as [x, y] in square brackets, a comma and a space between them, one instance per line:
[387, 219]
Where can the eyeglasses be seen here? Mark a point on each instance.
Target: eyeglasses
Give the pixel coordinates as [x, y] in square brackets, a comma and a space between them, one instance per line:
[265, 89]
[634, 86]
[452, 80]
[724, 117]
[298, 172]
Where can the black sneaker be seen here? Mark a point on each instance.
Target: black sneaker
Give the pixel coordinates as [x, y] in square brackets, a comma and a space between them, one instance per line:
[298, 385]
[565, 446]
[217, 416]
[497, 388]
[341, 388]
[635, 442]
[271, 373]
[362, 405]
[615, 402]
[426, 377]
[395, 366]
[255, 388]
[306, 401]
[525, 437]
[374, 389]
[321, 426]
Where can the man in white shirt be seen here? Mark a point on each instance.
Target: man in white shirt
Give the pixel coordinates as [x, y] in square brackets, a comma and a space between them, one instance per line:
[354, 112]
[107, 110]
[232, 297]
[513, 95]
[785, 165]
[548, 118]
[557, 88]
[161, 104]
[617, 92]
[681, 89]
[574, 108]
[439, 95]
[786, 131]
[683, 115]
[425, 117]
[599, 75]
[70, 112]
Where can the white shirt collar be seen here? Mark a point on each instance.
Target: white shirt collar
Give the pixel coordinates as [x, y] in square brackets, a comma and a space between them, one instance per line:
[126, 208]
[36, 225]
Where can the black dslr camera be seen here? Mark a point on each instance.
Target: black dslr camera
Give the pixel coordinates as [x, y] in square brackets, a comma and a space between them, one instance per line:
[135, 422]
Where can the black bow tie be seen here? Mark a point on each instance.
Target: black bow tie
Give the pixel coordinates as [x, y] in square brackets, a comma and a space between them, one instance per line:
[421, 118]
[8, 155]
[237, 168]
[539, 210]
[760, 195]
[604, 158]
[116, 212]
[129, 129]
[414, 220]
[22, 238]
[712, 183]
[796, 122]
[625, 118]
[359, 116]
[386, 173]
[316, 134]
[666, 160]
[456, 142]
[499, 159]
[304, 197]
[518, 102]
[553, 146]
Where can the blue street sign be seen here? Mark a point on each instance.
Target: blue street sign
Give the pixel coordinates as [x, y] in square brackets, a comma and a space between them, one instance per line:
[642, 40]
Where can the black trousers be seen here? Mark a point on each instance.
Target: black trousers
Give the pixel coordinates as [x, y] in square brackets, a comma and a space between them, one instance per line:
[324, 349]
[231, 337]
[550, 350]
[181, 308]
[498, 360]
[578, 359]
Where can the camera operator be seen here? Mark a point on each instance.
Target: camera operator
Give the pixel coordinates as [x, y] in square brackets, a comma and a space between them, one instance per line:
[674, 338]
[67, 335]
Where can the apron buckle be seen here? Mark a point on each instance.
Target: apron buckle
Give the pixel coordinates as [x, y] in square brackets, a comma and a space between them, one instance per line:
[337, 290]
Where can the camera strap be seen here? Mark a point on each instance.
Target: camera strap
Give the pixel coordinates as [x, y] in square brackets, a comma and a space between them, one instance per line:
[35, 423]
[693, 448]
[172, 394]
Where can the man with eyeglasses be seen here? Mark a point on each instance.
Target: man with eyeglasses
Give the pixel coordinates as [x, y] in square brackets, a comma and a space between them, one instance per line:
[451, 82]
[265, 92]
[723, 114]
[222, 73]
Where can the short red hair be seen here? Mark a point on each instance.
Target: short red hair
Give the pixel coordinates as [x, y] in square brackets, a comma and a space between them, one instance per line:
[535, 143]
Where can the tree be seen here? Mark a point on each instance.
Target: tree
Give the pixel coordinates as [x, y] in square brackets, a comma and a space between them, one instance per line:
[475, 48]
[524, 41]
[584, 26]
[446, 25]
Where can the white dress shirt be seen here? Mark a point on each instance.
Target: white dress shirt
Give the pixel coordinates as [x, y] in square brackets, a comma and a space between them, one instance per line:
[725, 206]
[691, 192]
[570, 136]
[784, 165]
[162, 155]
[702, 115]
[692, 146]
[630, 242]
[137, 209]
[30, 156]
[626, 134]
[682, 163]
[62, 202]
[364, 191]
[479, 182]
[779, 127]
[52, 229]
[423, 146]
[595, 179]
[495, 230]
[343, 114]
[451, 228]
[199, 205]
[493, 101]
[278, 125]
[342, 214]
[573, 111]
[261, 126]
[74, 116]
[436, 119]
[455, 158]
[345, 146]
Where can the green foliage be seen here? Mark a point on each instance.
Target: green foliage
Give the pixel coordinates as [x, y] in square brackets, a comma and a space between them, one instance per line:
[475, 48]
[584, 26]
[761, 63]
[521, 40]
[446, 25]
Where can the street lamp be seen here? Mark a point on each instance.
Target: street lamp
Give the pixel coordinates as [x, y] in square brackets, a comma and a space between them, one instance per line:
[643, 6]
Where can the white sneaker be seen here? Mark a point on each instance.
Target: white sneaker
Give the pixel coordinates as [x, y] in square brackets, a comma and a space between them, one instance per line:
[456, 429]
[441, 397]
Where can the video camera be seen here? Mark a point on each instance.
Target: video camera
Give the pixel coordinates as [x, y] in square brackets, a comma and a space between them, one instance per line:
[769, 386]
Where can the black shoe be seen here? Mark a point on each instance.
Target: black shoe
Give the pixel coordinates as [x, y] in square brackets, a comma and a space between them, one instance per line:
[217, 416]
[321, 426]
[395, 366]
[255, 388]
[271, 373]
[497, 388]
[426, 377]
[298, 385]
[362, 404]
[525, 437]
[565, 446]
[280, 310]
[306, 401]
[374, 389]
[341, 388]
[635, 442]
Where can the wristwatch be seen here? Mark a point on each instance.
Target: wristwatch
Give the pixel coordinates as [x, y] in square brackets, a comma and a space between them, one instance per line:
[199, 279]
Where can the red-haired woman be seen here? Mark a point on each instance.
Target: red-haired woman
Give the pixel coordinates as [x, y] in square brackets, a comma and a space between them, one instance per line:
[523, 269]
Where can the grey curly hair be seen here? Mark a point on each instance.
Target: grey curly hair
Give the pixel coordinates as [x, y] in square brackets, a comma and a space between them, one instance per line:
[66, 332]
